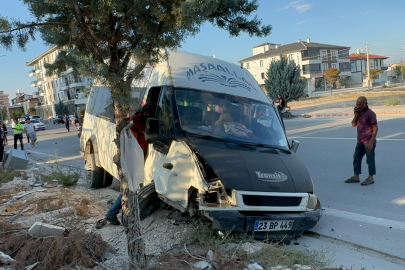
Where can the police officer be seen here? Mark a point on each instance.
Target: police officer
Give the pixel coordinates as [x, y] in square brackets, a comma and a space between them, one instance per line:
[18, 130]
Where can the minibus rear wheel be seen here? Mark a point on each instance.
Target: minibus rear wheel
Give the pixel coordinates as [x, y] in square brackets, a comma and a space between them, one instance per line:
[94, 174]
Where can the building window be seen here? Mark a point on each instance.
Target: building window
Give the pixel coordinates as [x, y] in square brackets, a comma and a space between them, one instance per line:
[353, 66]
[325, 66]
[262, 75]
[375, 63]
[334, 66]
[247, 65]
[261, 63]
[344, 67]
[290, 57]
[324, 55]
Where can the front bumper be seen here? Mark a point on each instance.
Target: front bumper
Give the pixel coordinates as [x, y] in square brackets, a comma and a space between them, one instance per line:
[237, 221]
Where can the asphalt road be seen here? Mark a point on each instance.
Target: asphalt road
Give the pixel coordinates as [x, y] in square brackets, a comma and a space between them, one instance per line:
[54, 144]
[369, 216]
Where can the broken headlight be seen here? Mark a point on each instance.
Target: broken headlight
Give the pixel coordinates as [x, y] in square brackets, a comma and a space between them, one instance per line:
[313, 202]
[217, 194]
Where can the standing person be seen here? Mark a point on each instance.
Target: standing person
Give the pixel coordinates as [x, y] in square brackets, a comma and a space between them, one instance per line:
[81, 118]
[281, 102]
[66, 119]
[4, 129]
[366, 122]
[1, 145]
[18, 130]
[138, 130]
[29, 130]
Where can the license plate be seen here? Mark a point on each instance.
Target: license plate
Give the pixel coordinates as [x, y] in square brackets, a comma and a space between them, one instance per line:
[273, 225]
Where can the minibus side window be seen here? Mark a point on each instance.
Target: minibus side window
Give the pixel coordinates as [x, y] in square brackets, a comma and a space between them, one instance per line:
[164, 113]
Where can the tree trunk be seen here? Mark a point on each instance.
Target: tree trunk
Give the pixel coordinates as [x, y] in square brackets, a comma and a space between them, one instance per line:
[130, 206]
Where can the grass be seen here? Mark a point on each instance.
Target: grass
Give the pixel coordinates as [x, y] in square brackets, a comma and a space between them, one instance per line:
[6, 175]
[66, 178]
[392, 101]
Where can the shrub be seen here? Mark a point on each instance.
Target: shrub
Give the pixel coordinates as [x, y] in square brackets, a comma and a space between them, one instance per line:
[392, 101]
[6, 175]
[66, 178]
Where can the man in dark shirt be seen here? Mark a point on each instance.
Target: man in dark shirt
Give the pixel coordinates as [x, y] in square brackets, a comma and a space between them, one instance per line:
[366, 122]
[281, 102]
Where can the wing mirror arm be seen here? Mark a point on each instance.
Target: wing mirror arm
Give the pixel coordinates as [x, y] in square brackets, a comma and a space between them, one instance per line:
[294, 145]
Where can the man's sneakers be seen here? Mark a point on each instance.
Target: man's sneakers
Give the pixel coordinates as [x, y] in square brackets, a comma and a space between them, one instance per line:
[102, 222]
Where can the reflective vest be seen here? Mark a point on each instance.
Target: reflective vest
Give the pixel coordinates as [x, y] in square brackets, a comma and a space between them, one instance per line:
[18, 128]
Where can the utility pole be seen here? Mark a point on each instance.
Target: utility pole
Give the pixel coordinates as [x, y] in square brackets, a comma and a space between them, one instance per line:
[368, 67]
[1, 107]
[402, 72]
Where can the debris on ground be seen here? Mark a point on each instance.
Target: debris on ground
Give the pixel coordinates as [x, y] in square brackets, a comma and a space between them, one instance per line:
[43, 229]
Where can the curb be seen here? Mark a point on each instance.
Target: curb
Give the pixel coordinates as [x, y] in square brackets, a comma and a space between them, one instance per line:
[344, 114]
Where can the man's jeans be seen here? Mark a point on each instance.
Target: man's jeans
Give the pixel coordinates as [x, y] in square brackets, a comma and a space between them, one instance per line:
[18, 137]
[359, 152]
[115, 209]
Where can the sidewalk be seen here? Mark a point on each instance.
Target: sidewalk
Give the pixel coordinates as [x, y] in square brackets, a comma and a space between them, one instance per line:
[393, 87]
[379, 110]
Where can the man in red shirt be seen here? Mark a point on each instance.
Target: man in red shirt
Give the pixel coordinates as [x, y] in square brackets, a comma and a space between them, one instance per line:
[366, 122]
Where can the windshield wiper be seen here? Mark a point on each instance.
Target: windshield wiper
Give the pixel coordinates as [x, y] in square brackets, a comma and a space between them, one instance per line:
[207, 137]
[269, 146]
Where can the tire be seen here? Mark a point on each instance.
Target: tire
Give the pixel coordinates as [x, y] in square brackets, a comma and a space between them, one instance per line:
[93, 173]
[287, 115]
[148, 200]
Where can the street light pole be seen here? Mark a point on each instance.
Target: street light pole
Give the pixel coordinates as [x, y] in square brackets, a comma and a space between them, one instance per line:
[368, 68]
[1, 107]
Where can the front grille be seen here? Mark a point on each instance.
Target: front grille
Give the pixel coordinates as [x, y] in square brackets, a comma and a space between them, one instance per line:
[254, 200]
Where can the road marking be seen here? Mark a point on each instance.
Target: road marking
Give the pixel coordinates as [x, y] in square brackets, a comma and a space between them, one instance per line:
[334, 138]
[387, 223]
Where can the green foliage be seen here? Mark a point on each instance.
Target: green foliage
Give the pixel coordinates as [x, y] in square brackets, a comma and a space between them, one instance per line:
[65, 178]
[399, 70]
[342, 81]
[5, 114]
[331, 75]
[392, 101]
[284, 77]
[6, 175]
[32, 111]
[61, 109]
[374, 72]
[100, 38]
[17, 114]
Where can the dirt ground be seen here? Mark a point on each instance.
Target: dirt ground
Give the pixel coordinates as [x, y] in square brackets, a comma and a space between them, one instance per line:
[172, 240]
[344, 100]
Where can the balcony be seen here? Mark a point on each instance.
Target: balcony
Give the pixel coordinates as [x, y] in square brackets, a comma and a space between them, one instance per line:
[35, 93]
[345, 70]
[324, 59]
[34, 84]
[305, 72]
[32, 73]
[334, 59]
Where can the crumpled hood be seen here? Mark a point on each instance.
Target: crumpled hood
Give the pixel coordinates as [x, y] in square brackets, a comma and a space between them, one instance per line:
[249, 170]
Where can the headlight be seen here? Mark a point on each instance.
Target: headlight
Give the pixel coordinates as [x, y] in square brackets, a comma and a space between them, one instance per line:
[312, 202]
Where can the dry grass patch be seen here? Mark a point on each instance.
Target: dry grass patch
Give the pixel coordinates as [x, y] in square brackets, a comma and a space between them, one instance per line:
[77, 250]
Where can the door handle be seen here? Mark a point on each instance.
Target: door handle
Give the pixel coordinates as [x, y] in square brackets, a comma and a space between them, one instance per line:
[168, 166]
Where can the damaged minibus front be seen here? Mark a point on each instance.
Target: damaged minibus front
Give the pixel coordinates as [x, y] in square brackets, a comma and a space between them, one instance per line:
[218, 149]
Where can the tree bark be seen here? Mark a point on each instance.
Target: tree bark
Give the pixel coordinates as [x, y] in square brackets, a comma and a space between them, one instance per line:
[129, 202]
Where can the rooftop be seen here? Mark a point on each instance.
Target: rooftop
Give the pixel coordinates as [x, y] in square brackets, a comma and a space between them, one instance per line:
[360, 56]
[292, 47]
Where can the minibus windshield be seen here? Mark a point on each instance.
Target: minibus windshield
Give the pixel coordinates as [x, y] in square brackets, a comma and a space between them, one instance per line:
[229, 117]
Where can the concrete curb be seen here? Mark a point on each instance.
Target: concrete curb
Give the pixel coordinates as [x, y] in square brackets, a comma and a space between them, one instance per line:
[343, 114]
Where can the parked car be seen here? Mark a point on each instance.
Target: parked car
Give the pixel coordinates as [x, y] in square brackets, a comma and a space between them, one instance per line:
[217, 149]
[38, 125]
[21, 120]
[58, 120]
[36, 117]
[72, 118]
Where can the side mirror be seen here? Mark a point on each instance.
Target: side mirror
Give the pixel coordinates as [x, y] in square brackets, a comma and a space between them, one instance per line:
[152, 130]
[294, 145]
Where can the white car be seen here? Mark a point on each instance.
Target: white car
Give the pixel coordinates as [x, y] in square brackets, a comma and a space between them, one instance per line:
[38, 125]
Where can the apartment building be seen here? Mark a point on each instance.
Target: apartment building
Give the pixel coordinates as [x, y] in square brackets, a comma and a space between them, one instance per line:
[313, 59]
[358, 62]
[22, 101]
[4, 101]
[51, 89]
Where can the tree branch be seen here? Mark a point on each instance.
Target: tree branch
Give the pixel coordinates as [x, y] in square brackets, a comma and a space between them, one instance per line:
[32, 25]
